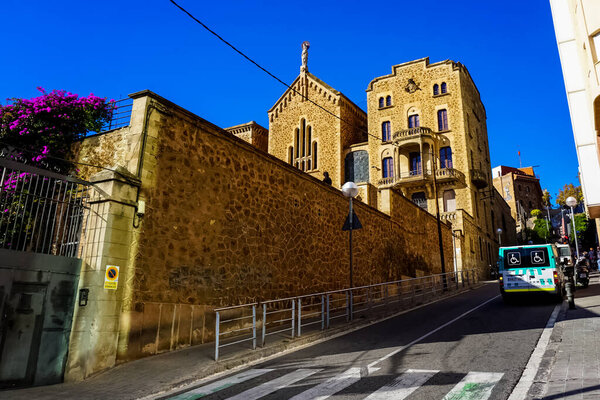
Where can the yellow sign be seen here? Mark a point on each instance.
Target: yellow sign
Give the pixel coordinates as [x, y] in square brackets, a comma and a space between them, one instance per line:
[111, 277]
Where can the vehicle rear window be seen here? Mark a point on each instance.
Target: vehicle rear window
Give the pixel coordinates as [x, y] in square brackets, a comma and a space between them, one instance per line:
[526, 257]
[564, 251]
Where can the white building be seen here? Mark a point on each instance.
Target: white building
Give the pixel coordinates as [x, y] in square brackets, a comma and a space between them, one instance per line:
[577, 28]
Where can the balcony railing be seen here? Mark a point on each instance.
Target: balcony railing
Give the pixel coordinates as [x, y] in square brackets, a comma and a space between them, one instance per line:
[406, 177]
[478, 178]
[121, 115]
[411, 133]
[449, 175]
[448, 216]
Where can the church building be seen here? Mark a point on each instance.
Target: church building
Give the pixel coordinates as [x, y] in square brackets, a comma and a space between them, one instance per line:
[424, 135]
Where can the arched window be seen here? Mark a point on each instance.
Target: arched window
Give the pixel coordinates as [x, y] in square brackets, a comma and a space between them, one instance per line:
[388, 101]
[303, 154]
[442, 120]
[449, 201]
[386, 133]
[388, 167]
[446, 157]
[380, 102]
[414, 159]
[413, 121]
[444, 88]
[436, 89]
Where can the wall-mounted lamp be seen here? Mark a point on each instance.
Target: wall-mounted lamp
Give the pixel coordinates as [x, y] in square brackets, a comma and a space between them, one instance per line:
[140, 210]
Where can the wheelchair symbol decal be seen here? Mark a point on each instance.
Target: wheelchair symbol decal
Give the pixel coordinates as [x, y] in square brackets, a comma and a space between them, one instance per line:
[537, 257]
[514, 258]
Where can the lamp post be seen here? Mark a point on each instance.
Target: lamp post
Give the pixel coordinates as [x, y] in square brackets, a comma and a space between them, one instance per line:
[350, 190]
[572, 202]
[499, 232]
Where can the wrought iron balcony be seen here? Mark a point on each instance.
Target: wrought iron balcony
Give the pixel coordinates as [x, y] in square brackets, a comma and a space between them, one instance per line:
[449, 175]
[478, 178]
[412, 133]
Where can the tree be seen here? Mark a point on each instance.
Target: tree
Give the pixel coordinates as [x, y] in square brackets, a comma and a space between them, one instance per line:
[536, 213]
[546, 198]
[567, 191]
[47, 125]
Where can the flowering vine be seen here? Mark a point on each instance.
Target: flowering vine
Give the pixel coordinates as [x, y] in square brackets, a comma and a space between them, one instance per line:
[47, 125]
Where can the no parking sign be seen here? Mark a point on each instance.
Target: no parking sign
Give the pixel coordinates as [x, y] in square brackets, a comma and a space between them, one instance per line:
[111, 277]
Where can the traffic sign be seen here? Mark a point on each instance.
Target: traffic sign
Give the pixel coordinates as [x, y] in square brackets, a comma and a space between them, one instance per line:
[111, 277]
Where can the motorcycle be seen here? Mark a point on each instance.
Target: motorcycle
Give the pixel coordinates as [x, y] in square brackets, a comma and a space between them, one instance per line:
[582, 272]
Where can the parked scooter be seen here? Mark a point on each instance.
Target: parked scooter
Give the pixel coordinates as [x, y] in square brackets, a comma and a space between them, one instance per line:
[582, 272]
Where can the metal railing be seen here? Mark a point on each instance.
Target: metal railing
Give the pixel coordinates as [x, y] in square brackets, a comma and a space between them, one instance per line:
[121, 115]
[40, 211]
[239, 324]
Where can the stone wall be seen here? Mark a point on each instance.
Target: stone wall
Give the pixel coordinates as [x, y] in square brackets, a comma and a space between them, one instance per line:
[227, 224]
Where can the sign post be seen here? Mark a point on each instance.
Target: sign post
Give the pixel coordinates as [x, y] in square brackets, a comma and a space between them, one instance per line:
[111, 277]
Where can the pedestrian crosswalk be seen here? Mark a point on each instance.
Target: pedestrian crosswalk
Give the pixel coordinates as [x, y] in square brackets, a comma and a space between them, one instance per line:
[473, 386]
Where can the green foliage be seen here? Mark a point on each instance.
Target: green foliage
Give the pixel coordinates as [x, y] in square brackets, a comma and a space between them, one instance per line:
[586, 232]
[567, 191]
[546, 198]
[536, 213]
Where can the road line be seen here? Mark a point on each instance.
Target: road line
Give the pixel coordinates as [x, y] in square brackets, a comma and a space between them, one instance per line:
[401, 348]
[333, 385]
[524, 384]
[220, 385]
[474, 386]
[275, 384]
[404, 385]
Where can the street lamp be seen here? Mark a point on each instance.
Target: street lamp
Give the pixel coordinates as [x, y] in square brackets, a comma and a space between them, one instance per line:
[572, 202]
[499, 232]
[350, 190]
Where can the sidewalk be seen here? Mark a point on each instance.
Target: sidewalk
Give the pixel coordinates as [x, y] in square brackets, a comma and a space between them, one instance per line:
[151, 376]
[572, 357]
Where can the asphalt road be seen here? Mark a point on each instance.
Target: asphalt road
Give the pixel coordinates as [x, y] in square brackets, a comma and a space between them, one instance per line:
[471, 346]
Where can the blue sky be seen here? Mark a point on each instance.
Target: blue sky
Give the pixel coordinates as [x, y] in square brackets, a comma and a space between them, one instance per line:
[113, 48]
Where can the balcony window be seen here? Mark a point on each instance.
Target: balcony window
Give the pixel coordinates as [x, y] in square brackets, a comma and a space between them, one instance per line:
[386, 133]
[436, 89]
[388, 167]
[388, 101]
[413, 121]
[442, 120]
[449, 201]
[415, 164]
[446, 157]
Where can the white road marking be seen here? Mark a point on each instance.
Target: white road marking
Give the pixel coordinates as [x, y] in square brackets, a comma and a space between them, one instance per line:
[401, 348]
[221, 384]
[274, 385]
[333, 385]
[524, 384]
[474, 386]
[403, 385]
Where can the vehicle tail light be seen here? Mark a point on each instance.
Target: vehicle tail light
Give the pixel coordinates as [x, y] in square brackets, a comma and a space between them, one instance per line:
[501, 280]
[555, 278]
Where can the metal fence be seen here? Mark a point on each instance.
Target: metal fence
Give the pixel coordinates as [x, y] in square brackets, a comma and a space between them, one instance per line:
[121, 115]
[243, 323]
[40, 211]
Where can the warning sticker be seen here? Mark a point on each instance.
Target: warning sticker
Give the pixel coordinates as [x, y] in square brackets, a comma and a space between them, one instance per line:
[111, 278]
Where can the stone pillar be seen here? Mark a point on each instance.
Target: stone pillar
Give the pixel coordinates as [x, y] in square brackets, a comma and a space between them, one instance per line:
[107, 241]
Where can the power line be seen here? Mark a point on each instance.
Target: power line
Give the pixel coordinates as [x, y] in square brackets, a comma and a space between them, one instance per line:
[271, 74]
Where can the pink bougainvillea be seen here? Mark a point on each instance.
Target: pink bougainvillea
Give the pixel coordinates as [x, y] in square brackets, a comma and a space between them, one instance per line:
[47, 125]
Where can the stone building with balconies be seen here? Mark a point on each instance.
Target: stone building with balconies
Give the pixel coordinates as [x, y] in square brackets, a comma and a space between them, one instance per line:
[429, 141]
[424, 135]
